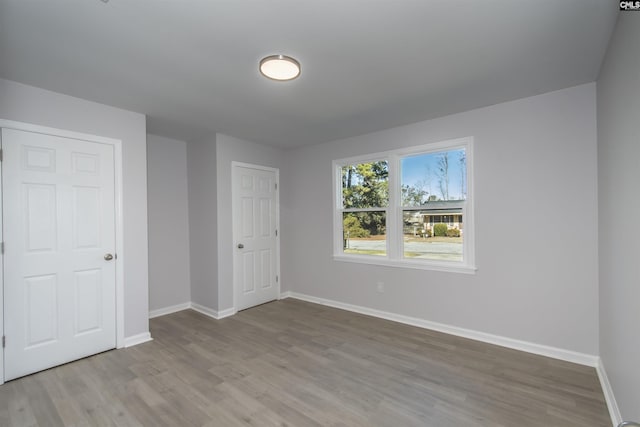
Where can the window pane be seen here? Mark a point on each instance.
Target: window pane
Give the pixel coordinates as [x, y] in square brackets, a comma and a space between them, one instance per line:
[364, 233]
[428, 234]
[365, 185]
[440, 176]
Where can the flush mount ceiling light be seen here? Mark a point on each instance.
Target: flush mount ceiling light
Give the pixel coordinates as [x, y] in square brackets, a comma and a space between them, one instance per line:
[279, 67]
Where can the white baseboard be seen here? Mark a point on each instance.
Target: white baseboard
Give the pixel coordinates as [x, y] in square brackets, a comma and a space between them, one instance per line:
[226, 313]
[169, 310]
[137, 339]
[614, 411]
[215, 314]
[285, 295]
[543, 350]
[204, 310]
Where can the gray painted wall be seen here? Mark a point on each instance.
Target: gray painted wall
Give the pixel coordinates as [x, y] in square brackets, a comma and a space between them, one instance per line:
[619, 208]
[169, 275]
[203, 214]
[33, 105]
[536, 224]
[231, 149]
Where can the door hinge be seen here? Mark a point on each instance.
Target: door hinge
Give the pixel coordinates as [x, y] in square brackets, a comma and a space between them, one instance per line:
[276, 233]
[276, 185]
[276, 278]
[0, 154]
[2, 248]
[4, 341]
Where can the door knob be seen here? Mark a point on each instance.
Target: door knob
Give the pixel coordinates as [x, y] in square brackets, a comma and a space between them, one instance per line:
[108, 257]
[240, 246]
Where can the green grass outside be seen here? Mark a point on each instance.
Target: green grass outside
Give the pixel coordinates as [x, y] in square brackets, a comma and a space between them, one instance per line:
[378, 252]
[365, 252]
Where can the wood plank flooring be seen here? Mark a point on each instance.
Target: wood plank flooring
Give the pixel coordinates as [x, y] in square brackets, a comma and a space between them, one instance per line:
[292, 363]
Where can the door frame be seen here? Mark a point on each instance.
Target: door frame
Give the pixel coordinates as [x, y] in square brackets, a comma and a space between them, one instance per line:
[234, 165]
[119, 219]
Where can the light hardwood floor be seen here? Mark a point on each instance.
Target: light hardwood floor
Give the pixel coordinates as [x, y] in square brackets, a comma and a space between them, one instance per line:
[292, 363]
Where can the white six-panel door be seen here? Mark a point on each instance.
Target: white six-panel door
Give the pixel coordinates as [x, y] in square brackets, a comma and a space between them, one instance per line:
[59, 233]
[255, 236]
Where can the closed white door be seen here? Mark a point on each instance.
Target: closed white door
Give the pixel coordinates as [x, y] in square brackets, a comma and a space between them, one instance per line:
[255, 198]
[59, 261]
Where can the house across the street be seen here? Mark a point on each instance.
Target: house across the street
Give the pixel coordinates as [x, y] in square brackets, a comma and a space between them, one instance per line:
[442, 211]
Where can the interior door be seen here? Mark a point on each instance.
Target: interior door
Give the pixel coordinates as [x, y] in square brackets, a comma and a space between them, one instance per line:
[255, 235]
[59, 265]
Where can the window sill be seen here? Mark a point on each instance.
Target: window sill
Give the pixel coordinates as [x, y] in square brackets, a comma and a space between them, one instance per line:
[418, 265]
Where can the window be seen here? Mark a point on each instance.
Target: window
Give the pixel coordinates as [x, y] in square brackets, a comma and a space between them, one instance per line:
[365, 199]
[407, 208]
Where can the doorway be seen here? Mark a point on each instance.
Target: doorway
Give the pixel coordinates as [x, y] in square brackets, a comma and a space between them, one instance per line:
[59, 228]
[256, 260]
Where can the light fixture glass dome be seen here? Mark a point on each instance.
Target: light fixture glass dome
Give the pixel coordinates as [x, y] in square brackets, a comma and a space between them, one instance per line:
[279, 67]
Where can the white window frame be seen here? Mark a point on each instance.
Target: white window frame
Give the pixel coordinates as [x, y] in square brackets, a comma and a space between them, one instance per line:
[394, 257]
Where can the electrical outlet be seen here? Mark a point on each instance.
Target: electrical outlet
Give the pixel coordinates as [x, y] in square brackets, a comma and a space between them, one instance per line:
[380, 286]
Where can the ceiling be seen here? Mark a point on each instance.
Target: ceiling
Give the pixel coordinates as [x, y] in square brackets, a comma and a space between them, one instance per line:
[192, 65]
